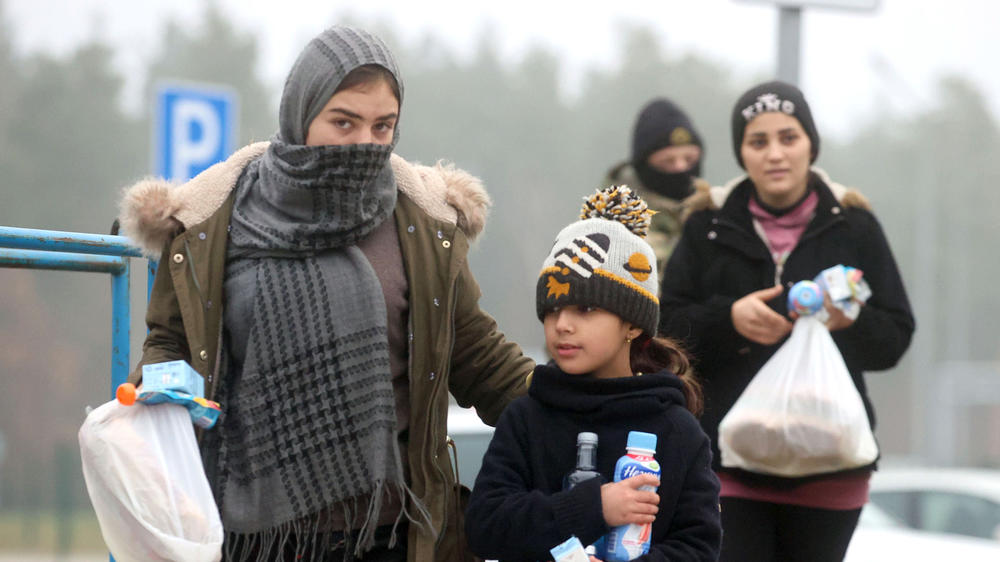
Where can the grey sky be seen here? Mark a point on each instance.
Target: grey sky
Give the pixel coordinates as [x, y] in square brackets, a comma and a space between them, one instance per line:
[849, 60]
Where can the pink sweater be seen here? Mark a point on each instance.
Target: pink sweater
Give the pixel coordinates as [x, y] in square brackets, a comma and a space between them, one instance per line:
[783, 232]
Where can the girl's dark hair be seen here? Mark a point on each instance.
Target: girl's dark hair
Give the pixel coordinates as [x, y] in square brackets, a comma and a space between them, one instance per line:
[650, 355]
[369, 74]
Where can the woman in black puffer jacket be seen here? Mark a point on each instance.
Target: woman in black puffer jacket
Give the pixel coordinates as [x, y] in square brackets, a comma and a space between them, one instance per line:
[743, 246]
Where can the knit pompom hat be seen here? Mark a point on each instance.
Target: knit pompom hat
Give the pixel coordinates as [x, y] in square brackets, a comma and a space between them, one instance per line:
[603, 260]
[772, 96]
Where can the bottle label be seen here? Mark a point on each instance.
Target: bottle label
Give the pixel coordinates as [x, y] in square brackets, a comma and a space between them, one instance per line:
[640, 465]
[628, 542]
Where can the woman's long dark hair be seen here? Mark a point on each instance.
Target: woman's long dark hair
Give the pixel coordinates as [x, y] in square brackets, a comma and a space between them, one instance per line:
[650, 355]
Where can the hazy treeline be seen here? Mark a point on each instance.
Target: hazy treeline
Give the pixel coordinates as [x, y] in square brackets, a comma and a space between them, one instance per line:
[67, 147]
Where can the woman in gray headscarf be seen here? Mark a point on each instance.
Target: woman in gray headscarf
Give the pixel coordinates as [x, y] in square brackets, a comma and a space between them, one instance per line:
[319, 283]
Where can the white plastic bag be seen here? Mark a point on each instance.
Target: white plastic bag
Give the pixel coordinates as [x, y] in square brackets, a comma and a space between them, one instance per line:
[146, 482]
[801, 413]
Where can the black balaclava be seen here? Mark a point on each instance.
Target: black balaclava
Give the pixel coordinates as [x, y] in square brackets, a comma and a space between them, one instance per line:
[661, 124]
[772, 96]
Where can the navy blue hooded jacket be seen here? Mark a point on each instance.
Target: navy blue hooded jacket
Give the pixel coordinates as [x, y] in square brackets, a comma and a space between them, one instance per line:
[518, 509]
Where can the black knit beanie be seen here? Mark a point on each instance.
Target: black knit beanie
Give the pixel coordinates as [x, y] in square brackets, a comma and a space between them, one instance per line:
[772, 96]
[661, 124]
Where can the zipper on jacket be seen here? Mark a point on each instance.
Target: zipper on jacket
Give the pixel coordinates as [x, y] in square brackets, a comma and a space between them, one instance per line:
[780, 267]
[451, 319]
[448, 440]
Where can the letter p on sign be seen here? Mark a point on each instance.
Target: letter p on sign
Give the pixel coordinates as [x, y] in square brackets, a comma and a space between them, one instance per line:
[195, 127]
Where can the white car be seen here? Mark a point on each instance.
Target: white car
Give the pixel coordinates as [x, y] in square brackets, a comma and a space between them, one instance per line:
[471, 437]
[881, 538]
[963, 501]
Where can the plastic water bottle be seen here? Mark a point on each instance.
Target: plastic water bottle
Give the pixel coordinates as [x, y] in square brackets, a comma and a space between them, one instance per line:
[586, 468]
[586, 460]
[628, 542]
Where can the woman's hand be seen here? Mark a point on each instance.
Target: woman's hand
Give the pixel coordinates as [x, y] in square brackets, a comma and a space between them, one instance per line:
[623, 502]
[755, 321]
[837, 319]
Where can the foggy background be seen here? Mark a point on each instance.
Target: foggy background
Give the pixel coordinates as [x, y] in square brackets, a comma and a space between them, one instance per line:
[539, 104]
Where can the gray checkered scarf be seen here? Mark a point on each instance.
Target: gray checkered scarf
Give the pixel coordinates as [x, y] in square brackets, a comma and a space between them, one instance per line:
[310, 418]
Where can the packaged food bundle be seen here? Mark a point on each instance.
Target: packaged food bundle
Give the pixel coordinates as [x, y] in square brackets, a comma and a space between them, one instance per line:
[801, 414]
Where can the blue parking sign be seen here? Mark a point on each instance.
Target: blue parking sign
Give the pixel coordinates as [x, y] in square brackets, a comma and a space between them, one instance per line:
[194, 127]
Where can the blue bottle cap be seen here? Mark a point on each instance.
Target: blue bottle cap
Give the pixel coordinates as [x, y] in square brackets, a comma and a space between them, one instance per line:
[805, 298]
[641, 440]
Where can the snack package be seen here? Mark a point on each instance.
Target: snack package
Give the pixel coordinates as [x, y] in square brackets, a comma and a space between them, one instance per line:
[175, 382]
[846, 287]
[569, 551]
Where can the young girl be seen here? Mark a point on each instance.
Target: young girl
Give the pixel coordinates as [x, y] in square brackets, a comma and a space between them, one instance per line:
[596, 296]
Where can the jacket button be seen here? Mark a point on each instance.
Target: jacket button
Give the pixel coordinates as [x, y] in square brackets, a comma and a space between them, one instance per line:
[446, 244]
[835, 210]
[203, 355]
[201, 236]
[712, 235]
[178, 258]
[440, 234]
[436, 302]
[432, 375]
[410, 229]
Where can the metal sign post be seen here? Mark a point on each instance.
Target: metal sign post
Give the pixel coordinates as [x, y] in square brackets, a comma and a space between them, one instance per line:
[790, 29]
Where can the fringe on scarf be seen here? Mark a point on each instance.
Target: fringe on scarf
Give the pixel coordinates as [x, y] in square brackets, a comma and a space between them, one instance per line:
[312, 544]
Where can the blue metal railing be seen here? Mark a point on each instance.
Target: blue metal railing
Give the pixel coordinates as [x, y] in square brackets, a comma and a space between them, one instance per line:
[74, 251]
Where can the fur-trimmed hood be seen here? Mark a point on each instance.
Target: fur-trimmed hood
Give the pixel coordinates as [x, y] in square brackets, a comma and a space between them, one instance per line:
[706, 197]
[152, 210]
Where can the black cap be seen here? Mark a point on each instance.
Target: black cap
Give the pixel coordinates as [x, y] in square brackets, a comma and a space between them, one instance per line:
[772, 96]
[660, 124]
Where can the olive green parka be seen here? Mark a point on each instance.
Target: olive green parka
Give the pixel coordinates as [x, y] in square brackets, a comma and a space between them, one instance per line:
[455, 347]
